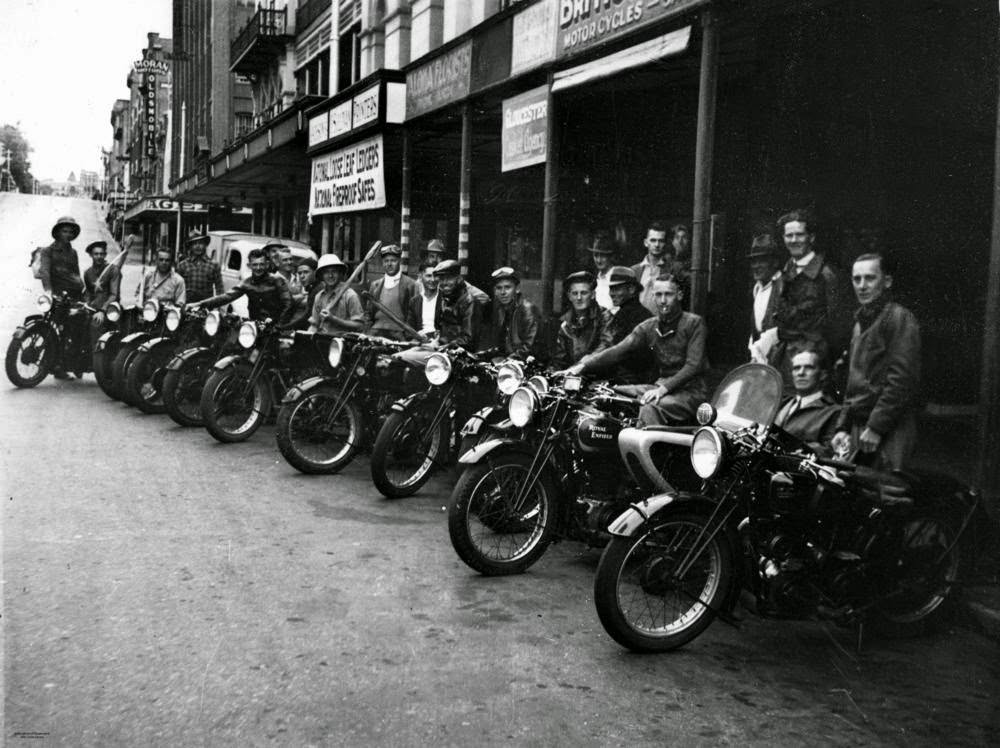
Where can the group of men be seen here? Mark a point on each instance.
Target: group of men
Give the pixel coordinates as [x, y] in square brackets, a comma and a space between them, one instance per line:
[628, 323]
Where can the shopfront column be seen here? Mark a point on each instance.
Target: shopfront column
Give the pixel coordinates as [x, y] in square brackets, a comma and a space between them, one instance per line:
[549, 211]
[465, 186]
[701, 230]
[324, 234]
[404, 210]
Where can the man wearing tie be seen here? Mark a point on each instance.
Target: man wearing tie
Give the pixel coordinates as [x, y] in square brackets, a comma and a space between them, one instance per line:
[810, 414]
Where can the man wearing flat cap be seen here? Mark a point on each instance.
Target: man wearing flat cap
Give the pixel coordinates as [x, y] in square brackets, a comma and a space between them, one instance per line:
[583, 328]
[456, 316]
[102, 285]
[202, 277]
[58, 264]
[393, 291]
[626, 314]
[515, 324]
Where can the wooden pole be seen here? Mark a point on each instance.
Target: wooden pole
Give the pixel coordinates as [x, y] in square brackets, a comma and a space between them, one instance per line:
[701, 230]
[551, 198]
[404, 210]
[465, 187]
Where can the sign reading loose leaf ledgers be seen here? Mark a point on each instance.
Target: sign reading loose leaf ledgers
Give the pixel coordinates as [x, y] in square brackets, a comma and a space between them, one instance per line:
[349, 179]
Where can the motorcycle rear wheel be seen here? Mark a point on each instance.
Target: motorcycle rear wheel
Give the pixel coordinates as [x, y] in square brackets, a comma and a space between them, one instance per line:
[119, 371]
[35, 353]
[641, 605]
[144, 381]
[231, 409]
[182, 390]
[319, 433]
[407, 450]
[488, 532]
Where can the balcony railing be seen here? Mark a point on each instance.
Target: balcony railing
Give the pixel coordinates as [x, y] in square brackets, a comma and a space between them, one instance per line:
[309, 11]
[268, 26]
[267, 114]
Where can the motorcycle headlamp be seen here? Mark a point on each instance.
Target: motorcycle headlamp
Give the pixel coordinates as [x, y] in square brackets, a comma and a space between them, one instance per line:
[705, 414]
[706, 452]
[173, 319]
[248, 334]
[521, 407]
[113, 311]
[44, 303]
[151, 310]
[213, 321]
[437, 369]
[539, 384]
[336, 352]
[509, 377]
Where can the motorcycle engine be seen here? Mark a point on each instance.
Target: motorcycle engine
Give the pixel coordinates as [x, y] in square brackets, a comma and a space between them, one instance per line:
[787, 566]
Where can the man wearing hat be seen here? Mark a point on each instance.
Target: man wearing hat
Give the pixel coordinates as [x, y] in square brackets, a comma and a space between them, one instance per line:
[272, 251]
[765, 267]
[102, 285]
[337, 308]
[394, 291]
[515, 325]
[583, 328]
[202, 277]
[602, 250]
[58, 264]
[267, 294]
[626, 314]
[456, 316]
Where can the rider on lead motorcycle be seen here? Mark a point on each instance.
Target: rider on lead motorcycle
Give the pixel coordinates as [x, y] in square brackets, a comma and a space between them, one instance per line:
[58, 267]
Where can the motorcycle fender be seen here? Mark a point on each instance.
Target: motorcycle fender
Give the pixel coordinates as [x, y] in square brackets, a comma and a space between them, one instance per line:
[178, 360]
[156, 343]
[105, 340]
[480, 451]
[405, 403]
[136, 337]
[227, 361]
[22, 329]
[307, 385]
[629, 522]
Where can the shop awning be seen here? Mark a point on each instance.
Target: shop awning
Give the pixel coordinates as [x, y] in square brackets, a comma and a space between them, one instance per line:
[641, 54]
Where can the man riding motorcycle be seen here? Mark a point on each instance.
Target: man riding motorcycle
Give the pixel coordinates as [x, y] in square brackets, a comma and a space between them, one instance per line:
[57, 266]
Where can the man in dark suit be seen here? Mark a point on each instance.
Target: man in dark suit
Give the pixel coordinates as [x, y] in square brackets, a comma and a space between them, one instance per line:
[765, 266]
[394, 291]
[809, 415]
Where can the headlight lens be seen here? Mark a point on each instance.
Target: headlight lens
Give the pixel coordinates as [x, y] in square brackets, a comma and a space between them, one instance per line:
[336, 352]
[173, 319]
[521, 407]
[150, 310]
[706, 452]
[113, 311]
[509, 377]
[437, 369]
[212, 323]
[44, 302]
[539, 384]
[248, 334]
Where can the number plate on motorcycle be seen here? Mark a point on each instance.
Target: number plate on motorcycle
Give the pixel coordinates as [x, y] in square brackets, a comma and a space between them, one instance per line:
[572, 384]
[254, 355]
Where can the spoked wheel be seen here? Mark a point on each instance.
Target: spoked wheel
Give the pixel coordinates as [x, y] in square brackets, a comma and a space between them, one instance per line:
[925, 570]
[233, 407]
[182, 390]
[119, 371]
[408, 448]
[496, 526]
[658, 590]
[144, 381]
[319, 433]
[102, 365]
[30, 359]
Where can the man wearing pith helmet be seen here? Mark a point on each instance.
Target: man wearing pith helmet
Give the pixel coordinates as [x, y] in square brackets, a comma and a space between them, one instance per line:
[515, 324]
[333, 311]
[394, 292]
[58, 264]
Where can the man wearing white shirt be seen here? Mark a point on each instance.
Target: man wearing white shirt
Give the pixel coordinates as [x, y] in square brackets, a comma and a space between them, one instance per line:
[603, 250]
[652, 266]
[809, 415]
[422, 313]
[394, 292]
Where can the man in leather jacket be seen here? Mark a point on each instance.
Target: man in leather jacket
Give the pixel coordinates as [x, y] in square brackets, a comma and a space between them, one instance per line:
[626, 314]
[267, 295]
[515, 327]
[456, 316]
[583, 328]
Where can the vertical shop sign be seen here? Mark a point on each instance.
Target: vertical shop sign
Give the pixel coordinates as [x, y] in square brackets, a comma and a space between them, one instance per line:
[349, 180]
[150, 124]
[440, 81]
[584, 24]
[525, 123]
[534, 37]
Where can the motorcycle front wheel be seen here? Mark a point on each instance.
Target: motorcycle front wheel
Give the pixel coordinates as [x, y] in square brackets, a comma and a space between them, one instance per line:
[320, 432]
[642, 603]
[407, 449]
[493, 532]
[30, 359]
[119, 371]
[182, 390]
[144, 381]
[102, 365]
[232, 407]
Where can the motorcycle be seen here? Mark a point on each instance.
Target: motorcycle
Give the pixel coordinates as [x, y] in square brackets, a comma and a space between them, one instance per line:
[147, 371]
[56, 338]
[556, 471]
[324, 421]
[126, 320]
[152, 327]
[188, 370]
[419, 432]
[808, 537]
[243, 388]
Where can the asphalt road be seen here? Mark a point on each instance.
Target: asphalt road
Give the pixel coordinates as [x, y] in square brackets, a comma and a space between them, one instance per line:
[162, 589]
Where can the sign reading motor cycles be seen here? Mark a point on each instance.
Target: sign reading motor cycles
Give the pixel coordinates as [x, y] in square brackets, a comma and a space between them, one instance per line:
[583, 24]
[525, 122]
[349, 180]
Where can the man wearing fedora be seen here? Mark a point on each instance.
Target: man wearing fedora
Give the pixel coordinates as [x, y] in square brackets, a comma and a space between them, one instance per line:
[602, 250]
[515, 324]
[765, 267]
[334, 311]
[202, 276]
[626, 314]
[58, 266]
[394, 291]
[102, 285]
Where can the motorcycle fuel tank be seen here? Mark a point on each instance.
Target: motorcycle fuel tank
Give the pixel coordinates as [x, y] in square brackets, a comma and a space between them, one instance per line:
[596, 432]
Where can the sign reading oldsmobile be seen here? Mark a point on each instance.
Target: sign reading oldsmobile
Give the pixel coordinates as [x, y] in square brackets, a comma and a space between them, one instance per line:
[583, 24]
[349, 180]
[150, 115]
[440, 81]
[525, 122]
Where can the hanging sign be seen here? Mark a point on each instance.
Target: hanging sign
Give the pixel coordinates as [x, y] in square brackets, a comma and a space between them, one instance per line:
[584, 24]
[150, 115]
[440, 81]
[349, 180]
[523, 134]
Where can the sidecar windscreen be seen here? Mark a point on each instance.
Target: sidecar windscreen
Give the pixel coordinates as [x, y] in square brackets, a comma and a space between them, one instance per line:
[750, 394]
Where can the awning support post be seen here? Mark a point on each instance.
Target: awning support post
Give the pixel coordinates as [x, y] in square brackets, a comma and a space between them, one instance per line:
[178, 241]
[549, 214]
[465, 187]
[404, 209]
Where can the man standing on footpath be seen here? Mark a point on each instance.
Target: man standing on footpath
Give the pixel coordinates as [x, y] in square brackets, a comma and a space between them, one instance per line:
[603, 251]
[765, 267]
[879, 414]
[202, 277]
[651, 266]
[394, 291]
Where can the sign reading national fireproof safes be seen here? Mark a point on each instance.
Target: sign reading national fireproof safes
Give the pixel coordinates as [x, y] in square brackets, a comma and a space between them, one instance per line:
[348, 180]
[525, 121]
